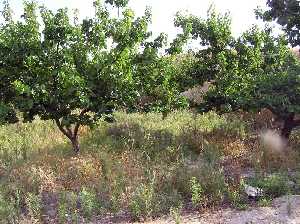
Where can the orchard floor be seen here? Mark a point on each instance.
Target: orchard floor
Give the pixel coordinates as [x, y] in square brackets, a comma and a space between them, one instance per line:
[144, 166]
[284, 210]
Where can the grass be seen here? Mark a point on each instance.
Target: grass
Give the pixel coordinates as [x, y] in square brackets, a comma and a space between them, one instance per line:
[141, 164]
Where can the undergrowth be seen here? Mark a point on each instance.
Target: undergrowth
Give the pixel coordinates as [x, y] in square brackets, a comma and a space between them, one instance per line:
[141, 163]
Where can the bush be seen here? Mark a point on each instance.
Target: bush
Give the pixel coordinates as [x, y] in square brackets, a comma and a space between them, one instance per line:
[89, 203]
[142, 203]
[265, 202]
[175, 214]
[274, 185]
[196, 191]
[237, 197]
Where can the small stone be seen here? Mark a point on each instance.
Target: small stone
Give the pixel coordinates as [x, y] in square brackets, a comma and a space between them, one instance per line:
[291, 184]
[253, 191]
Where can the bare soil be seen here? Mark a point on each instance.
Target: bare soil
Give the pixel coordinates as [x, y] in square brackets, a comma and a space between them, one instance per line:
[284, 210]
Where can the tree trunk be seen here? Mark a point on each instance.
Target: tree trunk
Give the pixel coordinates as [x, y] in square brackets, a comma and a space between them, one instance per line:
[164, 115]
[72, 135]
[288, 126]
[75, 144]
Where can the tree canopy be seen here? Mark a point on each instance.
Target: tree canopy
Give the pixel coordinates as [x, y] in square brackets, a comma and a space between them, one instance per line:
[75, 72]
[287, 14]
[254, 71]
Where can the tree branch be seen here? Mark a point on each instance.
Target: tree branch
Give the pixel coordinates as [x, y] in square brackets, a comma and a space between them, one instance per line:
[65, 132]
[69, 131]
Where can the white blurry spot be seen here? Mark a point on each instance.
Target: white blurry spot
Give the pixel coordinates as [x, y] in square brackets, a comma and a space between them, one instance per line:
[273, 141]
[253, 191]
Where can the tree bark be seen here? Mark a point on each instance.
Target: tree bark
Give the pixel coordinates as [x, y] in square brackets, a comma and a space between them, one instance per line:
[75, 144]
[72, 135]
[164, 115]
[289, 124]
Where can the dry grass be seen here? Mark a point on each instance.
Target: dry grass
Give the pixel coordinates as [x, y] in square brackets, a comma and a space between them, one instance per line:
[138, 163]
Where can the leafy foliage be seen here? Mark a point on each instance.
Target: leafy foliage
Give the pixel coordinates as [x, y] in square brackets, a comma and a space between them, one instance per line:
[74, 73]
[157, 79]
[118, 3]
[252, 72]
[286, 14]
[196, 191]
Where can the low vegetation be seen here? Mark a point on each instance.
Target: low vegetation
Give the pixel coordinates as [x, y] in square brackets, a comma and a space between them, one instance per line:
[140, 165]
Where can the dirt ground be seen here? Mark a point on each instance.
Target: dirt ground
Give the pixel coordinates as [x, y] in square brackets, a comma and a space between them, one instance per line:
[284, 210]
